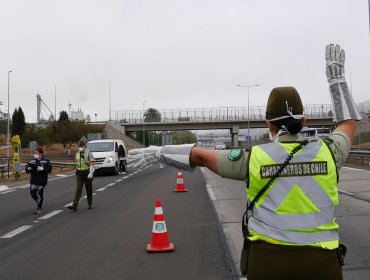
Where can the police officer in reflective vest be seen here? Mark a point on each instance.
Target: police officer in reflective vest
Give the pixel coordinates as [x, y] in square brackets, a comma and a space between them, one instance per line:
[84, 175]
[292, 191]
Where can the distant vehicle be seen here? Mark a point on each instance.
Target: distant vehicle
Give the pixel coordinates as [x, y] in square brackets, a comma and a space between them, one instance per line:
[314, 134]
[105, 153]
[220, 146]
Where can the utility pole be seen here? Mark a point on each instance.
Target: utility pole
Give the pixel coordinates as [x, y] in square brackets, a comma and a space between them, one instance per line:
[55, 102]
[110, 105]
[8, 132]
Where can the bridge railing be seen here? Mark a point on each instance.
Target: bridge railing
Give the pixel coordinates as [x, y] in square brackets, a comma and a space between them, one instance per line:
[223, 113]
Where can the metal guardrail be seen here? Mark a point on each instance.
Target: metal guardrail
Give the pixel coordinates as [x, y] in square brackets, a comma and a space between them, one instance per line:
[364, 156]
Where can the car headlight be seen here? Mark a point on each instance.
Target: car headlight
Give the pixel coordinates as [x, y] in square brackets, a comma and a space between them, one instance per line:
[110, 159]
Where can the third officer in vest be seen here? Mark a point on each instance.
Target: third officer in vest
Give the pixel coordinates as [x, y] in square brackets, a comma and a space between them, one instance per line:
[84, 175]
[290, 230]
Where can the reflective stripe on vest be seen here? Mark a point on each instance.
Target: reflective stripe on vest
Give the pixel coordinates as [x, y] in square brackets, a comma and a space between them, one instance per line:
[82, 162]
[299, 206]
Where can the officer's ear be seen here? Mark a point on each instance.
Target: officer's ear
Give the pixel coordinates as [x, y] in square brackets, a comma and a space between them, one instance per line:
[271, 127]
[303, 121]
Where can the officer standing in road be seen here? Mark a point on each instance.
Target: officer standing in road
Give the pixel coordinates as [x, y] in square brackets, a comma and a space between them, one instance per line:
[84, 175]
[39, 167]
[290, 230]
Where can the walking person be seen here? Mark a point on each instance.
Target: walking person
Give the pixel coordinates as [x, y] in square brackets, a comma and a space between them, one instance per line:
[39, 167]
[290, 230]
[122, 159]
[84, 176]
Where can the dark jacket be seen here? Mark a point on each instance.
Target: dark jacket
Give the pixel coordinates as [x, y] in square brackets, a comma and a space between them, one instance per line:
[121, 151]
[39, 177]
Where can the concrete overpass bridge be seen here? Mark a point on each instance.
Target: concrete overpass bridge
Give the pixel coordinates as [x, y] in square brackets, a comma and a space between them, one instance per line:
[232, 118]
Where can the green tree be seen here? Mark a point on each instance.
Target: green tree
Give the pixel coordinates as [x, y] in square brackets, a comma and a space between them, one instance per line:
[63, 116]
[36, 133]
[19, 122]
[184, 137]
[152, 115]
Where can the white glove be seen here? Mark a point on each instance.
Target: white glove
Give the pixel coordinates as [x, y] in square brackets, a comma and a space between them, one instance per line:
[343, 104]
[90, 176]
[29, 168]
[145, 156]
[173, 155]
[40, 168]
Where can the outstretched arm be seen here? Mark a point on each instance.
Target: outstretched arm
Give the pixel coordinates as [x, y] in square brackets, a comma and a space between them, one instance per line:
[202, 157]
[345, 112]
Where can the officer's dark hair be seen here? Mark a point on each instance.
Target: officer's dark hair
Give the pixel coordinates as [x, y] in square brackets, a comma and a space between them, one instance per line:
[292, 125]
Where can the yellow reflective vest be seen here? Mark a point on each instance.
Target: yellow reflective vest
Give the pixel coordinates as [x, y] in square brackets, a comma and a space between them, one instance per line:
[82, 162]
[298, 208]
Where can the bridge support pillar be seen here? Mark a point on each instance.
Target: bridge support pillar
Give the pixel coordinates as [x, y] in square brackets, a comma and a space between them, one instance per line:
[234, 135]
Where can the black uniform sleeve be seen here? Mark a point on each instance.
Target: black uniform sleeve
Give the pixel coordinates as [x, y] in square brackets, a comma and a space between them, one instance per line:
[47, 167]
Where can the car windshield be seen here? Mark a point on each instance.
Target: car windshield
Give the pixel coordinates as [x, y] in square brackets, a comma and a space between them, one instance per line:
[100, 146]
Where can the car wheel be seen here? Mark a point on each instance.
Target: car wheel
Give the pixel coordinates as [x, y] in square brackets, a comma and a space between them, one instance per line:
[116, 170]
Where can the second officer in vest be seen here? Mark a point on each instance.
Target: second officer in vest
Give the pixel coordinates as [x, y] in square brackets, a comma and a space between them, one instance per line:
[84, 176]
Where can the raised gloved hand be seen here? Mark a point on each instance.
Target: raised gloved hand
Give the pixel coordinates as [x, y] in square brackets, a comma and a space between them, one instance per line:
[344, 106]
[40, 168]
[29, 168]
[173, 155]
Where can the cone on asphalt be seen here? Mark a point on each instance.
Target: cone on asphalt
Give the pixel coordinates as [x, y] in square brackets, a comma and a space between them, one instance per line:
[180, 187]
[160, 241]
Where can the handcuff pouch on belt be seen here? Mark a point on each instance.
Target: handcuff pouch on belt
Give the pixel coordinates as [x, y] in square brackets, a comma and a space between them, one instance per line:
[247, 243]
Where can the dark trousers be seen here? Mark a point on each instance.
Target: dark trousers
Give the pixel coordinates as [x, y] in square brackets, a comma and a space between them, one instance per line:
[268, 261]
[122, 165]
[37, 193]
[81, 179]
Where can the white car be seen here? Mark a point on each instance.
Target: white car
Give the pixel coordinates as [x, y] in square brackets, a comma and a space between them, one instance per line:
[105, 153]
[220, 146]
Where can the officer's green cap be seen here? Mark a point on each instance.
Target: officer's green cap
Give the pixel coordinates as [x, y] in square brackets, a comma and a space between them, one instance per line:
[282, 97]
[81, 143]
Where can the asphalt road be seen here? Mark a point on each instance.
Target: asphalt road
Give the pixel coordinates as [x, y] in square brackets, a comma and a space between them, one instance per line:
[109, 241]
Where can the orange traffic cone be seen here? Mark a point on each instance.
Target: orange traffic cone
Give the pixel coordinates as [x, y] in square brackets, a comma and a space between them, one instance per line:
[180, 187]
[160, 241]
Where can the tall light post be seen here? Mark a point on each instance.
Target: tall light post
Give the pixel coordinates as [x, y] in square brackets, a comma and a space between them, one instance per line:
[144, 122]
[248, 86]
[7, 130]
[110, 104]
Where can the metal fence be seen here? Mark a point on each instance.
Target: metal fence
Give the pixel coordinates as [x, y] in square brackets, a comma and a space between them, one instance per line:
[222, 113]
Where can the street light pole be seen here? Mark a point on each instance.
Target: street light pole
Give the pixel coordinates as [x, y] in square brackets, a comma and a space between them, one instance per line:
[248, 86]
[110, 106]
[7, 133]
[144, 122]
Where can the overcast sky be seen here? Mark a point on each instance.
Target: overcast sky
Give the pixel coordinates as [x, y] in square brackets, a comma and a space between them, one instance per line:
[175, 53]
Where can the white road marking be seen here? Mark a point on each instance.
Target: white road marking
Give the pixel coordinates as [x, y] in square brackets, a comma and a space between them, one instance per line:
[348, 193]
[16, 231]
[101, 189]
[61, 175]
[51, 214]
[69, 204]
[110, 185]
[3, 188]
[117, 181]
[130, 165]
[211, 194]
[202, 170]
[7, 191]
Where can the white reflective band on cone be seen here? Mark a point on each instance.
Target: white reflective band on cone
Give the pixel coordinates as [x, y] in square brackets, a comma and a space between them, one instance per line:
[159, 227]
[158, 211]
[179, 173]
[180, 181]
